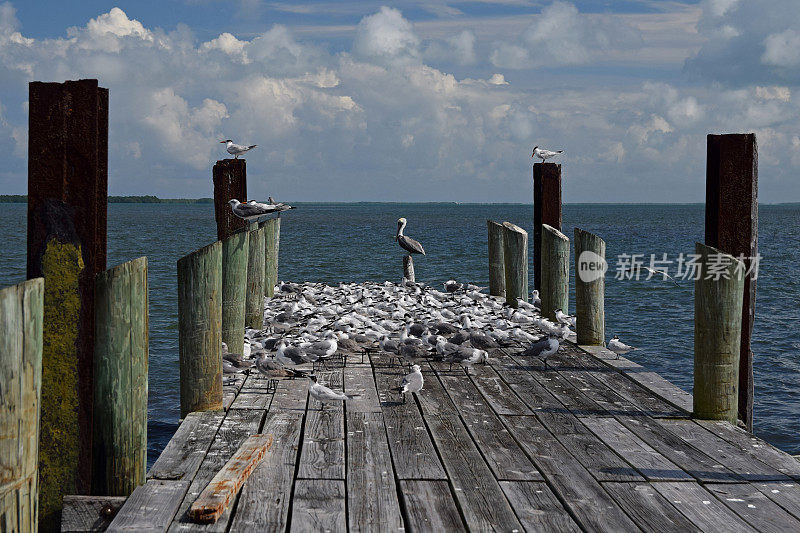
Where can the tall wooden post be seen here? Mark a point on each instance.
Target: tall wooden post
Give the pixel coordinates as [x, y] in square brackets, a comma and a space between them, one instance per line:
[732, 226]
[717, 335]
[200, 329]
[67, 204]
[120, 373]
[497, 272]
[20, 380]
[515, 258]
[234, 289]
[230, 181]
[555, 272]
[408, 268]
[272, 240]
[590, 268]
[254, 298]
[546, 210]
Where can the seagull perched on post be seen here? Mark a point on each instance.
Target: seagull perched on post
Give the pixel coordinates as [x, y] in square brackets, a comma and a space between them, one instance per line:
[543, 154]
[407, 243]
[236, 149]
[254, 210]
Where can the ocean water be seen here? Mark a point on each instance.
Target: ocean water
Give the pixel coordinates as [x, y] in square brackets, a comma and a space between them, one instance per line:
[354, 242]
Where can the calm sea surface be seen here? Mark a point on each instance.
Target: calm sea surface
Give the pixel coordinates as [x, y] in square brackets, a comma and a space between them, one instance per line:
[353, 242]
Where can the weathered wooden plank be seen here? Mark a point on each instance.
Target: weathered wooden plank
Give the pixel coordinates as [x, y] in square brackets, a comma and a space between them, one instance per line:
[554, 288]
[151, 507]
[501, 452]
[234, 289]
[699, 506]
[413, 453]
[237, 426]
[252, 400]
[590, 264]
[721, 450]
[479, 495]
[592, 507]
[220, 491]
[264, 501]
[651, 464]
[648, 508]
[272, 239]
[515, 260]
[187, 448]
[787, 495]
[497, 393]
[319, 505]
[254, 298]
[526, 387]
[359, 382]
[430, 506]
[537, 507]
[372, 499]
[290, 396]
[754, 507]
[322, 455]
[89, 513]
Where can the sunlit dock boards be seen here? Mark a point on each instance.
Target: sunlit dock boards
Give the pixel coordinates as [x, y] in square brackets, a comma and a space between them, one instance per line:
[582, 446]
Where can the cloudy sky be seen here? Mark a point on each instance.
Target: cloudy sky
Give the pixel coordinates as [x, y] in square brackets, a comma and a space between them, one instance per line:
[419, 100]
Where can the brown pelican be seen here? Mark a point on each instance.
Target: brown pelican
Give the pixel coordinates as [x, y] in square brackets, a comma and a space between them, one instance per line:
[407, 243]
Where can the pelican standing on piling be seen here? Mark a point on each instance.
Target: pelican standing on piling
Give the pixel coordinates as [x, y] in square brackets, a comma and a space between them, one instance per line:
[407, 243]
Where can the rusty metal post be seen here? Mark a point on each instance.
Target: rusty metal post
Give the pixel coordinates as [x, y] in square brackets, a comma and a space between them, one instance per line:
[67, 205]
[546, 210]
[732, 227]
[230, 181]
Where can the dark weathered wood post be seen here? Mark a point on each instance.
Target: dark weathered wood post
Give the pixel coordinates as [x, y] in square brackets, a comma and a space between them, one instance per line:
[718, 295]
[515, 258]
[546, 210]
[590, 268]
[254, 298]
[497, 273]
[20, 380]
[555, 272]
[272, 240]
[200, 329]
[230, 181]
[67, 204]
[732, 226]
[234, 289]
[120, 379]
[408, 268]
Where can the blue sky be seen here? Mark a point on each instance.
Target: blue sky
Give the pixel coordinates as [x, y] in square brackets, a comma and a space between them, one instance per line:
[420, 100]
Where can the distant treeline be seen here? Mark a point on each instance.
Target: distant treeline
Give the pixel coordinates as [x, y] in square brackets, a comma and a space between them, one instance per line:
[22, 198]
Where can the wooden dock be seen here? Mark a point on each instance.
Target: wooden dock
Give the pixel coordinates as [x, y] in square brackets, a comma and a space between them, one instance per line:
[592, 444]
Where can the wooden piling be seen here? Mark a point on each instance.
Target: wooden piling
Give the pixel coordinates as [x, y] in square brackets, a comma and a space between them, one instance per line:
[200, 329]
[546, 210]
[272, 240]
[67, 212]
[717, 335]
[120, 387]
[732, 226]
[234, 289]
[555, 272]
[256, 270]
[408, 268]
[497, 272]
[590, 267]
[230, 181]
[515, 259]
[21, 318]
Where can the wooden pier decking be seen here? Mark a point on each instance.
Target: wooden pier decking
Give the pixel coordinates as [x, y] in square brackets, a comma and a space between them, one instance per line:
[590, 444]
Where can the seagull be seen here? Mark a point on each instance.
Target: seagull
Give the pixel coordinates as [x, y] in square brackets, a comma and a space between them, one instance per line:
[407, 243]
[292, 355]
[253, 210]
[543, 154]
[236, 149]
[272, 369]
[619, 347]
[452, 285]
[543, 348]
[323, 393]
[564, 318]
[535, 299]
[412, 382]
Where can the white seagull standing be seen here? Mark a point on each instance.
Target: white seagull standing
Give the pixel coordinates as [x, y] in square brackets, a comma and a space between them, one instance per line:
[543, 154]
[236, 149]
[254, 210]
[412, 382]
[619, 347]
[323, 393]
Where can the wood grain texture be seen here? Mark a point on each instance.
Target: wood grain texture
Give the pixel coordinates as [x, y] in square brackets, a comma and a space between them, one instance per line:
[497, 267]
[701, 507]
[590, 253]
[554, 291]
[496, 392]
[408, 268]
[537, 507]
[648, 508]
[120, 378]
[254, 296]
[234, 289]
[546, 209]
[89, 513]
[151, 507]
[754, 507]
[272, 239]
[515, 260]
[21, 311]
[430, 506]
[717, 335]
[323, 455]
[187, 448]
[230, 181]
[200, 329]
[319, 505]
